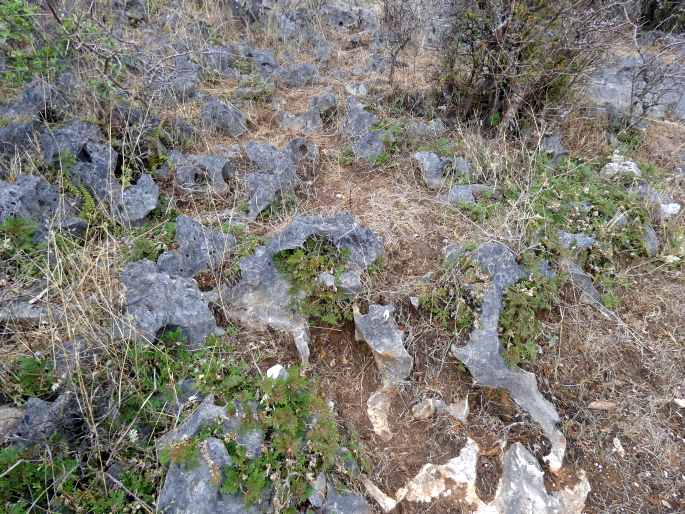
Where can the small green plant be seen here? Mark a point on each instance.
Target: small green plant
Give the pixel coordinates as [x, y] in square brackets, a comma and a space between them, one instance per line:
[151, 242]
[28, 51]
[18, 247]
[442, 146]
[303, 266]
[34, 376]
[519, 325]
[453, 296]
[346, 157]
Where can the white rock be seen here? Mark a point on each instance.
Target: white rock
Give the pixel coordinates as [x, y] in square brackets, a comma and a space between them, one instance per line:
[277, 372]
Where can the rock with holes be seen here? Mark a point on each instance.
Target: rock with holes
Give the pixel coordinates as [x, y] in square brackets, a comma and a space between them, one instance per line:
[197, 249]
[326, 104]
[302, 150]
[223, 118]
[202, 171]
[343, 15]
[483, 353]
[262, 297]
[432, 167]
[155, 300]
[552, 145]
[22, 116]
[94, 170]
[380, 331]
[43, 419]
[137, 201]
[263, 61]
[32, 198]
[67, 139]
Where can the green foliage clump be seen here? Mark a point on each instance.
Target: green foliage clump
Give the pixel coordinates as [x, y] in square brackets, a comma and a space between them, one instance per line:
[27, 477]
[519, 324]
[453, 296]
[32, 376]
[151, 241]
[302, 266]
[28, 51]
[507, 58]
[18, 248]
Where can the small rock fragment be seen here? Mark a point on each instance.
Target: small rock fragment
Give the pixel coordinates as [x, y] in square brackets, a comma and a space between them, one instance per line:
[427, 408]
[345, 503]
[620, 167]
[602, 405]
[277, 372]
[432, 167]
[386, 502]
[224, 118]
[10, 417]
[378, 410]
[379, 329]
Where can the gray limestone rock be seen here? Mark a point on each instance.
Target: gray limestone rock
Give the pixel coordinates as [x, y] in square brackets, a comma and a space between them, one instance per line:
[24, 311]
[662, 204]
[180, 82]
[202, 171]
[577, 242]
[277, 173]
[482, 355]
[650, 240]
[418, 129]
[308, 122]
[345, 503]
[33, 198]
[262, 296]
[620, 167]
[326, 104]
[467, 194]
[10, 417]
[302, 150]
[221, 59]
[70, 137]
[94, 170]
[522, 488]
[432, 167]
[155, 300]
[263, 60]
[581, 281]
[42, 419]
[223, 118]
[553, 146]
[297, 75]
[358, 126]
[380, 331]
[197, 490]
[197, 249]
[137, 201]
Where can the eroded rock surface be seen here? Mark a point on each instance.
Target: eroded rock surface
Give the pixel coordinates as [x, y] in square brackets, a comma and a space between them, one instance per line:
[155, 300]
[42, 419]
[358, 125]
[482, 355]
[262, 296]
[198, 248]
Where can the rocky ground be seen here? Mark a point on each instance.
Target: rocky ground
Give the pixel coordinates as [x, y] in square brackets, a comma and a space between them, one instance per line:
[241, 271]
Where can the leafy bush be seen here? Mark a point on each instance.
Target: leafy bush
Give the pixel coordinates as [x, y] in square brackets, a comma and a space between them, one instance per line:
[303, 266]
[507, 57]
[453, 296]
[27, 50]
[519, 325]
